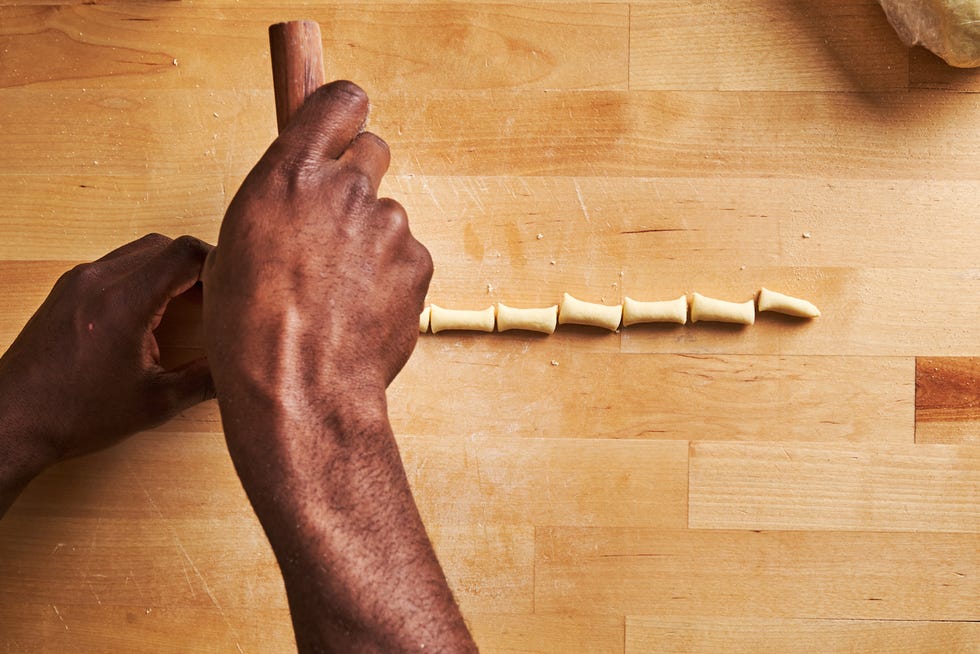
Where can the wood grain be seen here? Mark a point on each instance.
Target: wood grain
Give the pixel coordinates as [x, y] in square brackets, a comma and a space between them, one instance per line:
[646, 148]
[78, 627]
[783, 46]
[672, 133]
[558, 482]
[479, 228]
[648, 397]
[691, 573]
[503, 633]
[476, 45]
[751, 635]
[876, 488]
[947, 400]
[611, 395]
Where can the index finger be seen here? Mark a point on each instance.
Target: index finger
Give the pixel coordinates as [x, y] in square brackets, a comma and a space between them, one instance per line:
[325, 125]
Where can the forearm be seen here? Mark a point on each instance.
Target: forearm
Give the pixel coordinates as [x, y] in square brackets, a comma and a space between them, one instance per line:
[359, 570]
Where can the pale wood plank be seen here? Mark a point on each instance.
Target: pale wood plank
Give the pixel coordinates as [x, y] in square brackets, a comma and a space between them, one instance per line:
[670, 134]
[167, 561]
[500, 388]
[947, 400]
[753, 635]
[466, 45]
[81, 217]
[893, 576]
[519, 481]
[546, 634]
[609, 395]
[592, 228]
[770, 45]
[687, 134]
[866, 488]
[146, 134]
[85, 628]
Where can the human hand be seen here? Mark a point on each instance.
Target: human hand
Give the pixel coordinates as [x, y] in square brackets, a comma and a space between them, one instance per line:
[315, 287]
[85, 371]
[311, 308]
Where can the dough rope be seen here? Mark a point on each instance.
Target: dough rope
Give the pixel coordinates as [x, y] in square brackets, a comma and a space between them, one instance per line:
[578, 312]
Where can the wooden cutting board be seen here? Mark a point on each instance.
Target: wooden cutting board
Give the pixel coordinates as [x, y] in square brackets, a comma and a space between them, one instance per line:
[783, 487]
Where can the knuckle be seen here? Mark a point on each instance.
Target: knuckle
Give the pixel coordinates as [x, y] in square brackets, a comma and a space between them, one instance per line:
[79, 277]
[423, 263]
[294, 171]
[358, 188]
[394, 214]
[397, 217]
[156, 239]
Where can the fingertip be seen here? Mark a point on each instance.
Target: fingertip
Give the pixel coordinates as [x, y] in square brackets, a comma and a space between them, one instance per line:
[357, 96]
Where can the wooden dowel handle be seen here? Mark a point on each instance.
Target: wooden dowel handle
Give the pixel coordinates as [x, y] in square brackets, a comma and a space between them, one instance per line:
[297, 65]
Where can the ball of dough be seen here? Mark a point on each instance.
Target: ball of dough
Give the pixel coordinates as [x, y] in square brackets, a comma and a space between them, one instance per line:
[950, 28]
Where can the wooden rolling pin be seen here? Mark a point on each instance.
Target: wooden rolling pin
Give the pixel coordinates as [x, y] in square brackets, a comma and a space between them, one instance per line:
[297, 65]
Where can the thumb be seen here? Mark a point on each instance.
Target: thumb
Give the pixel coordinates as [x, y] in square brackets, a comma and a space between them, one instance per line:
[187, 385]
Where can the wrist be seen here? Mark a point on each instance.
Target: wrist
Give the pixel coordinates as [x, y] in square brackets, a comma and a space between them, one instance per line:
[23, 453]
[286, 440]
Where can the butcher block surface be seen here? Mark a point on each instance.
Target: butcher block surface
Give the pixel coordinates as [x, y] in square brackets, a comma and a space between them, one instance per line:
[793, 486]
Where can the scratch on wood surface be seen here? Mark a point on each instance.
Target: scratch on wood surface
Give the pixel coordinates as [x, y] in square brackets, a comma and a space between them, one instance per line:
[58, 613]
[197, 573]
[183, 551]
[581, 202]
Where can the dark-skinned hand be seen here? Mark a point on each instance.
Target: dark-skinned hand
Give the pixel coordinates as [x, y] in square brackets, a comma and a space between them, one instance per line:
[85, 371]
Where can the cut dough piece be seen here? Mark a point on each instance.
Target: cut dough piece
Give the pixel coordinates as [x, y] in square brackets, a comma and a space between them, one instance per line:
[712, 310]
[424, 320]
[664, 311]
[535, 320]
[791, 306]
[577, 312]
[441, 319]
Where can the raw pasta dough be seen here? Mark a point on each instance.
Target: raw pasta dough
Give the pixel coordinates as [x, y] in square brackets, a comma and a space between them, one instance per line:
[712, 310]
[635, 312]
[442, 319]
[577, 312]
[791, 306]
[535, 320]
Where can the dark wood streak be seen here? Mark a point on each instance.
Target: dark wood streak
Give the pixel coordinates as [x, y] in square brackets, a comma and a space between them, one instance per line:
[947, 389]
